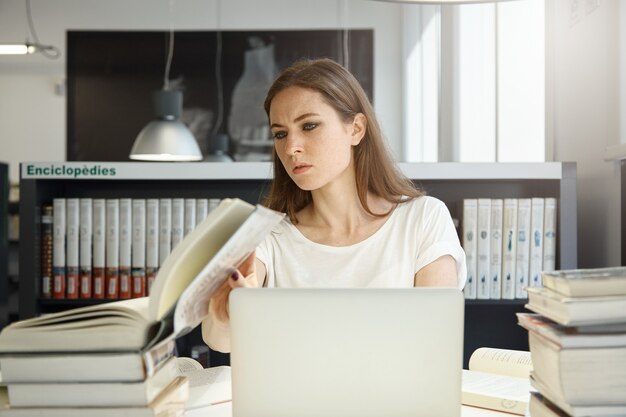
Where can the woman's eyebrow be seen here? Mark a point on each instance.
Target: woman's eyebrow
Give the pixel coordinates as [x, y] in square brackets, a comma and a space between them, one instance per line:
[297, 119]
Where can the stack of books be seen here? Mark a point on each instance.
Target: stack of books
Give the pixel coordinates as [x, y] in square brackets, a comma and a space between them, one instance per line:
[116, 358]
[578, 343]
[76, 379]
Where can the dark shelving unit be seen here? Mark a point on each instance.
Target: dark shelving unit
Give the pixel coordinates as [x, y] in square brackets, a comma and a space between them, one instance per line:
[487, 322]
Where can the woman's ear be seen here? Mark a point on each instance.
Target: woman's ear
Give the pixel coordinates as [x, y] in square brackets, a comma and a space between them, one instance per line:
[359, 127]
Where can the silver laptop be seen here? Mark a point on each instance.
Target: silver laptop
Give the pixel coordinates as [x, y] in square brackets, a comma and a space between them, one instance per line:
[346, 352]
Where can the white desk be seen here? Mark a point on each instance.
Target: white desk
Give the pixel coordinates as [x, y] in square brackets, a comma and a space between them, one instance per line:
[225, 410]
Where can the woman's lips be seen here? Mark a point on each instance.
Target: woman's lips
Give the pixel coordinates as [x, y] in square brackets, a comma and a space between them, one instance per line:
[301, 169]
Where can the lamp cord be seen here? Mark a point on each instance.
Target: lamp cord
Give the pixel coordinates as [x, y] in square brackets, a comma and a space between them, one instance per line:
[170, 49]
[218, 72]
[48, 51]
[168, 64]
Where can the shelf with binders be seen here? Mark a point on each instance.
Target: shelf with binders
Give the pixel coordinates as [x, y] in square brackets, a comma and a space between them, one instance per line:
[41, 182]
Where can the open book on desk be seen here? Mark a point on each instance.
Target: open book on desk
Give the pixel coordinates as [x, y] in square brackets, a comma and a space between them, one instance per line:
[179, 296]
[498, 379]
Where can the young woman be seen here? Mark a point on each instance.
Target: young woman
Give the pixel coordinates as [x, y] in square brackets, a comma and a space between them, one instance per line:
[353, 220]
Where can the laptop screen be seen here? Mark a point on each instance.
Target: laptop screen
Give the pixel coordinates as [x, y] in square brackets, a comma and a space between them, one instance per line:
[346, 352]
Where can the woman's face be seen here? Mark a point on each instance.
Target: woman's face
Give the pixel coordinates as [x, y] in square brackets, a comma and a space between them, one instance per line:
[313, 143]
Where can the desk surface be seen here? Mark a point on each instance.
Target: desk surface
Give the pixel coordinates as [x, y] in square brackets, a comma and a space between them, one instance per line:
[225, 410]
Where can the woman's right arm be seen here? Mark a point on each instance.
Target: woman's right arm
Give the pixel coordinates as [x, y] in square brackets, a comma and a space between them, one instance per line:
[216, 327]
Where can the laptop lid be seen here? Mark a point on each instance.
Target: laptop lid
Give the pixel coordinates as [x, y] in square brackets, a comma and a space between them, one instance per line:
[346, 352]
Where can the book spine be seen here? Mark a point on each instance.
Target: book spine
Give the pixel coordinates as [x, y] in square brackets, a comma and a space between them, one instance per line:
[58, 248]
[71, 256]
[99, 248]
[495, 250]
[125, 246]
[470, 227]
[536, 242]
[178, 220]
[138, 262]
[47, 219]
[202, 209]
[165, 229]
[549, 235]
[523, 247]
[152, 242]
[213, 203]
[190, 215]
[112, 279]
[483, 241]
[46, 251]
[509, 247]
[85, 250]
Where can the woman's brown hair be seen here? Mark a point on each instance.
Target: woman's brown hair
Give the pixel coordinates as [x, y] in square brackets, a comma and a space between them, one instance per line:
[375, 169]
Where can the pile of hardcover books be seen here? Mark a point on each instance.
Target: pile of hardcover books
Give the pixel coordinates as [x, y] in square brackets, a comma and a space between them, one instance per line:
[578, 343]
[80, 381]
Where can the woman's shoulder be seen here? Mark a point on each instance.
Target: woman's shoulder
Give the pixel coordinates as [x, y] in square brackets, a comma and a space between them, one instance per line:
[421, 203]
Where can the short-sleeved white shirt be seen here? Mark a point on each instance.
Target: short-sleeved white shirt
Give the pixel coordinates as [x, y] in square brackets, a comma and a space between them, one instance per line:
[417, 232]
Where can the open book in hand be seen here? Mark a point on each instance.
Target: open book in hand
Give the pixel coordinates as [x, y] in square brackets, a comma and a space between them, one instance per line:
[498, 379]
[179, 297]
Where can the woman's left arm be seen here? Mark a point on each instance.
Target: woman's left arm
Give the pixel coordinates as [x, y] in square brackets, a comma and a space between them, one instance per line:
[439, 273]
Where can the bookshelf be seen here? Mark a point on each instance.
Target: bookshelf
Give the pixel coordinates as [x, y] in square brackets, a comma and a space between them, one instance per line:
[488, 322]
[4, 243]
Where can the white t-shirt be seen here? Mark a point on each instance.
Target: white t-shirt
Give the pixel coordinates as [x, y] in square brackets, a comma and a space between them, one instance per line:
[418, 232]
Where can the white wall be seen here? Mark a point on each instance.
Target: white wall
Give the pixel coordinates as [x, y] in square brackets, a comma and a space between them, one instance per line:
[583, 117]
[32, 117]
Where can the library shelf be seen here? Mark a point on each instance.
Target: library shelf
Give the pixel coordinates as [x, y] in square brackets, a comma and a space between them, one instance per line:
[40, 182]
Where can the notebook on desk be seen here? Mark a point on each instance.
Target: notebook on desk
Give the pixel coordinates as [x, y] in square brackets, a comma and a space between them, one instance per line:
[346, 352]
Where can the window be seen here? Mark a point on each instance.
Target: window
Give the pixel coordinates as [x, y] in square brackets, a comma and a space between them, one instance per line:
[475, 82]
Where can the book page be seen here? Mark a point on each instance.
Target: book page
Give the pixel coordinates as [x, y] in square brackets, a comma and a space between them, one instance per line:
[190, 257]
[186, 364]
[193, 304]
[208, 386]
[515, 363]
[496, 392]
[500, 386]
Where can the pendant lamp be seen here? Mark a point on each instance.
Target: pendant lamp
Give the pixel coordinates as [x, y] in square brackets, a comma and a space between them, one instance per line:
[28, 48]
[166, 138]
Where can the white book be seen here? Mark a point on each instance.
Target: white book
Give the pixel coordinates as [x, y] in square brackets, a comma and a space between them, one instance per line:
[165, 229]
[482, 248]
[138, 259]
[536, 242]
[152, 233]
[509, 247]
[126, 231]
[112, 266]
[178, 221]
[99, 240]
[94, 394]
[202, 209]
[72, 247]
[85, 246]
[152, 241]
[470, 227]
[190, 215]
[549, 235]
[72, 230]
[522, 261]
[58, 247]
[495, 249]
[213, 203]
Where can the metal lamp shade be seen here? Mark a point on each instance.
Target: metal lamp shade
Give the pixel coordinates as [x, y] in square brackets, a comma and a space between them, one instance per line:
[165, 140]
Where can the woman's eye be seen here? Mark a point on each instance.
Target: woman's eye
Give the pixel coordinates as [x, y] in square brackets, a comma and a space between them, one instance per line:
[309, 126]
[279, 135]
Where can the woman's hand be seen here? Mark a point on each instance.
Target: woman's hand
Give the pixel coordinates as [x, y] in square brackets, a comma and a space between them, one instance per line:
[244, 276]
